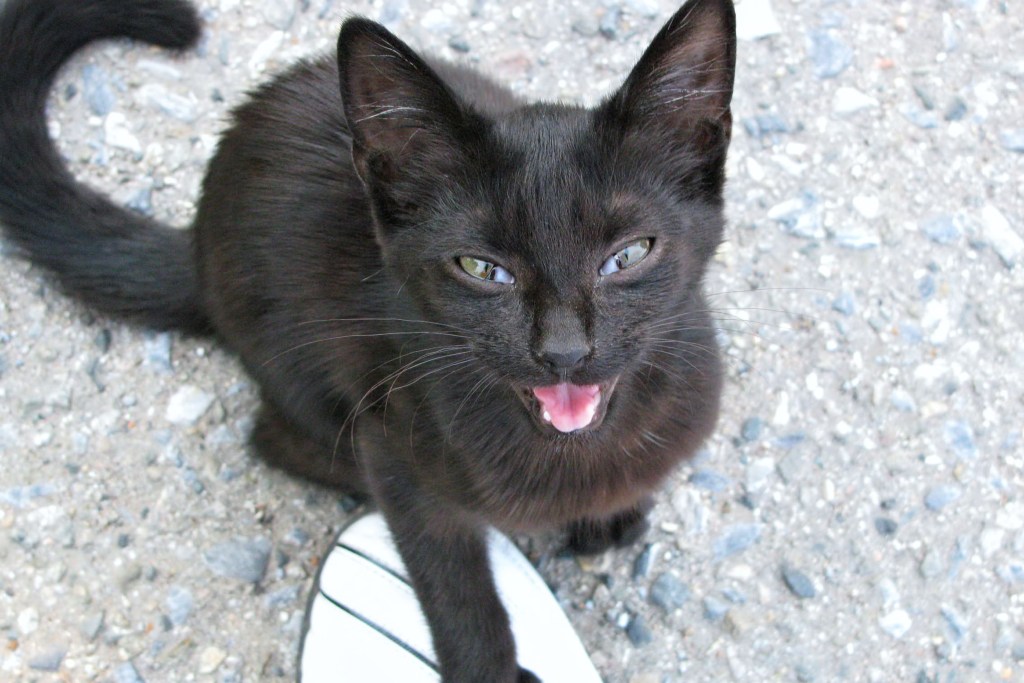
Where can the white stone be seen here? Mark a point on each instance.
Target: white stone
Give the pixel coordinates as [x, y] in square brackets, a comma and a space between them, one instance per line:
[755, 19]
[896, 623]
[187, 405]
[849, 100]
[116, 133]
[1004, 239]
[868, 206]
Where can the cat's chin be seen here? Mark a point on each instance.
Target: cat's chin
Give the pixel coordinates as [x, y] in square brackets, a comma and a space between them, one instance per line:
[589, 417]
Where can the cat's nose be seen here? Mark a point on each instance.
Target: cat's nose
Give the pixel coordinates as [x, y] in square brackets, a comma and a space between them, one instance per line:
[560, 361]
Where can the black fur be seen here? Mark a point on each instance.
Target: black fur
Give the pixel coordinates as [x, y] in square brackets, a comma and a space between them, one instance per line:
[326, 246]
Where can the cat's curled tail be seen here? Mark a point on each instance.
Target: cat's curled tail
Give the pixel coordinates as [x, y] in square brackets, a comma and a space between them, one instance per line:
[118, 262]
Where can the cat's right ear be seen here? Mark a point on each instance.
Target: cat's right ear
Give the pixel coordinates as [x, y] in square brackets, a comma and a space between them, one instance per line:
[396, 105]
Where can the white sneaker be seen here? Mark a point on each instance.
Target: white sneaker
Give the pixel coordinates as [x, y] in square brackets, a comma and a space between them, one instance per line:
[364, 624]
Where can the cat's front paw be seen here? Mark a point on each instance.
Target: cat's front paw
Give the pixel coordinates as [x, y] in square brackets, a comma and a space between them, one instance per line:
[527, 677]
[592, 536]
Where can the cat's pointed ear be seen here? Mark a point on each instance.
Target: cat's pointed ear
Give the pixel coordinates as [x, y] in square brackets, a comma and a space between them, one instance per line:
[684, 80]
[395, 104]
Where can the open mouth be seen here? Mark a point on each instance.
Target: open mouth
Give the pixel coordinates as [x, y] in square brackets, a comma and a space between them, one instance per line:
[568, 407]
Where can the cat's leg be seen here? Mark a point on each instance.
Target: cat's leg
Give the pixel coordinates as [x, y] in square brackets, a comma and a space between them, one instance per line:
[282, 444]
[445, 554]
[591, 536]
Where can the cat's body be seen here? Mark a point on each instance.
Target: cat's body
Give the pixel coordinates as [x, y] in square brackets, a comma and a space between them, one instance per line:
[557, 390]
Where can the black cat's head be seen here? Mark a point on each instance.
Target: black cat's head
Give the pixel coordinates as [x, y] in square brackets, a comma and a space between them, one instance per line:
[558, 237]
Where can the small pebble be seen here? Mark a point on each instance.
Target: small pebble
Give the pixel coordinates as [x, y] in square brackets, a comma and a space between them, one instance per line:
[244, 559]
[751, 429]
[668, 592]
[91, 626]
[1001, 235]
[210, 659]
[638, 632]
[896, 623]
[96, 86]
[960, 438]
[609, 25]
[187, 405]
[179, 604]
[885, 526]
[715, 608]
[127, 673]
[709, 480]
[941, 496]
[49, 660]
[941, 229]
[642, 563]
[736, 539]
[847, 101]
[799, 584]
[1012, 140]
[829, 55]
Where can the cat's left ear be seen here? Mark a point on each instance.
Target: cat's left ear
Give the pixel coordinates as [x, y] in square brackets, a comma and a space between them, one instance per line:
[684, 81]
[397, 107]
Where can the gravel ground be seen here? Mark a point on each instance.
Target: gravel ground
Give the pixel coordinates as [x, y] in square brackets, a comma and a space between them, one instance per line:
[859, 515]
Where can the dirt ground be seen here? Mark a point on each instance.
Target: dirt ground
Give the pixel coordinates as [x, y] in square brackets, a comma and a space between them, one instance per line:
[859, 514]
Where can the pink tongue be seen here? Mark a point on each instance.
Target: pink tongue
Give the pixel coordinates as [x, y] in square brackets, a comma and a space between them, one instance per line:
[568, 407]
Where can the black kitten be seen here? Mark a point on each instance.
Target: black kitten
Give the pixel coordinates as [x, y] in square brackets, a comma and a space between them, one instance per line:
[475, 310]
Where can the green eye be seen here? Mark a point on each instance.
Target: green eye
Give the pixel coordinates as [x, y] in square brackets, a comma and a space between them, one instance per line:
[485, 270]
[628, 257]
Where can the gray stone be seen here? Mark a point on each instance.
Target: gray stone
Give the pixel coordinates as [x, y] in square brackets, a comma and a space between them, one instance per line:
[715, 608]
[282, 597]
[642, 563]
[960, 438]
[798, 583]
[800, 216]
[459, 44]
[179, 604]
[922, 118]
[638, 632]
[956, 623]
[97, 91]
[736, 539]
[956, 110]
[1012, 140]
[279, 13]
[710, 480]
[668, 592]
[751, 429]
[22, 496]
[941, 496]
[765, 125]
[156, 349]
[845, 303]
[886, 526]
[649, 9]
[932, 565]
[127, 673]
[857, 237]
[829, 55]
[1012, 573]
[92, 625]
[392, 11]
[49, 660]
[942, 229]
[244, 559]
[609, 24]
[172, 104]
[902, 401]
